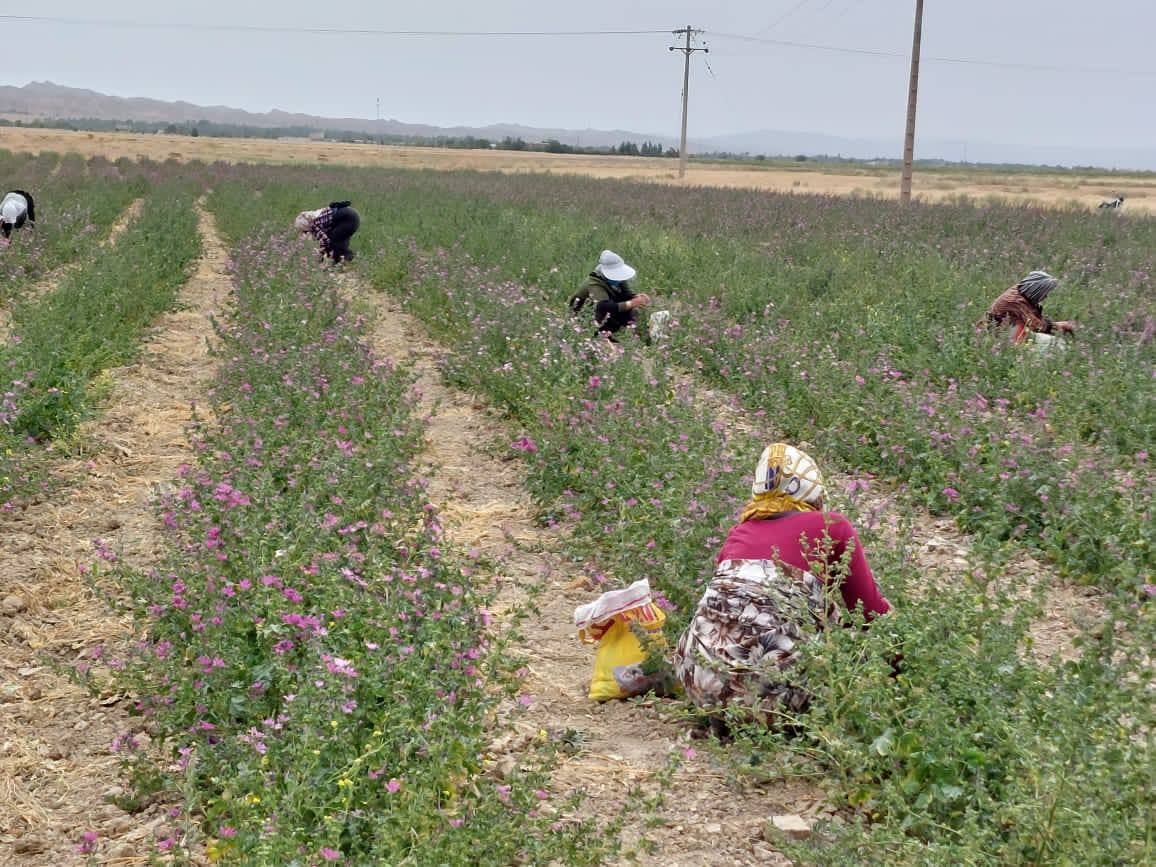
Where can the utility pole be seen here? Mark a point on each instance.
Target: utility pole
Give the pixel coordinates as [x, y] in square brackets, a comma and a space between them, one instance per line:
[912, 99]
[687, 51]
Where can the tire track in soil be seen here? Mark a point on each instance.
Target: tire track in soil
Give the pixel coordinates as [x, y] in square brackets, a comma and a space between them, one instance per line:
[56, 771]
[937, 545]
[483, 505]
[48, 283]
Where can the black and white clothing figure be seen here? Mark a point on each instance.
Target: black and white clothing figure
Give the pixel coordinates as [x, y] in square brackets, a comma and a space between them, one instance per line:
[332, 226]
[16, 209]
[1117, 202]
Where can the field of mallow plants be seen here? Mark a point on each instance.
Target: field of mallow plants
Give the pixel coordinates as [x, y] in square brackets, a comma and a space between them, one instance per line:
[316, 663]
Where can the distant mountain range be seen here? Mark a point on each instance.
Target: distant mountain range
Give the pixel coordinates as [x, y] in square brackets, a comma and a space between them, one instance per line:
[39, 100]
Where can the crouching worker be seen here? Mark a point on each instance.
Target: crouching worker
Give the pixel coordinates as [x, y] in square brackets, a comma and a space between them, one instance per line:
[1021, 307]
[16, 209]
[615, 304]
[770, 594]
[332, 226]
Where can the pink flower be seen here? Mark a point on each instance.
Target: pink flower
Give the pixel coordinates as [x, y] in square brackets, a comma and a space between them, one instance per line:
[393, 786]
[330, 854]
[524, 444]
[87, 843]
[227, 831]
[595, 381]
[951, 494]
[337, 665]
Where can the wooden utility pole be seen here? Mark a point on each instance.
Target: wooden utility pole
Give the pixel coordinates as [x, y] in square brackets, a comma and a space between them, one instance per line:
[687, 51]
[912, 99]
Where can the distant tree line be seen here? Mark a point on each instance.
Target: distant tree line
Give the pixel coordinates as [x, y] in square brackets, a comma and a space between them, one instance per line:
[553, 146]
[234, 130]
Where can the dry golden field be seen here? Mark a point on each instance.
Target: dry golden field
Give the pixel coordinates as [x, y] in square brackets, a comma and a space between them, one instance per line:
[1048, 188]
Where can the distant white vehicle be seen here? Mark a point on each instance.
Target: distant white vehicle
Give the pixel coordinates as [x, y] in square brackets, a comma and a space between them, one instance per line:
[1117, 202]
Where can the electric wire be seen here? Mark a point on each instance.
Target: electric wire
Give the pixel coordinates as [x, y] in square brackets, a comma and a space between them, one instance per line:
[784, 16]
[482, 34]
[925, 58]
[341, 31]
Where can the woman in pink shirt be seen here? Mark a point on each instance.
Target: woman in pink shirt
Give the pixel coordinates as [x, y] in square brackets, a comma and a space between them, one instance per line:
[773, 590]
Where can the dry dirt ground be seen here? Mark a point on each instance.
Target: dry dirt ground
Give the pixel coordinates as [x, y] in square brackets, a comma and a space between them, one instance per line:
[1060, 188]
[57, 774]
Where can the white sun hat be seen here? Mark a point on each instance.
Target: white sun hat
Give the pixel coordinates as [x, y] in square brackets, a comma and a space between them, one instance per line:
[612, 267]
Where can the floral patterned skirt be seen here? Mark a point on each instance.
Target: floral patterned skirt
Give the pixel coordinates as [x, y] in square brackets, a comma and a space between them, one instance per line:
[746, 633]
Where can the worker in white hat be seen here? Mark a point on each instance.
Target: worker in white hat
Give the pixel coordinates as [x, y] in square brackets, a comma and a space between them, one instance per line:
[615, 303]
[16, 209]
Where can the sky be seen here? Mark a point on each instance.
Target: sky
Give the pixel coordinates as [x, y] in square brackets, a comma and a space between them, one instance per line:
[1094, 90]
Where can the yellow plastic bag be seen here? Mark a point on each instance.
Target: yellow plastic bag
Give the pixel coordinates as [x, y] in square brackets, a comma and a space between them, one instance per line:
[612, 621]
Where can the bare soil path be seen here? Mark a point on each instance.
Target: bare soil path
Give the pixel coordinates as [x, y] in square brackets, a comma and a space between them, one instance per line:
[484, 506]
[57, 774]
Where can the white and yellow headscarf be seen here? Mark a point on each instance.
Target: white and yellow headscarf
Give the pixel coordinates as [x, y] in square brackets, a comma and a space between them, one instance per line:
[786, 480]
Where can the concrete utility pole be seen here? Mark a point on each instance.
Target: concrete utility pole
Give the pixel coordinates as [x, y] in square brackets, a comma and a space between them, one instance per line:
[912, 99]
[687, 51]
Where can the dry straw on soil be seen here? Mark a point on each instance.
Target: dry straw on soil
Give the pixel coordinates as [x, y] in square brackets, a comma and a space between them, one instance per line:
[58, 775]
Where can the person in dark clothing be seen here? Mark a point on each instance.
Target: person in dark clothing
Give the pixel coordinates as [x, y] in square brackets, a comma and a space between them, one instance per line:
[16, 209]
[332, 226]
[615, 303]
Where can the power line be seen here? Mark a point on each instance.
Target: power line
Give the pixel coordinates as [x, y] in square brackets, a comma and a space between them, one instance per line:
[352, 31]
[839, 15]
[784, 16]
[969, 61]
[788, 43]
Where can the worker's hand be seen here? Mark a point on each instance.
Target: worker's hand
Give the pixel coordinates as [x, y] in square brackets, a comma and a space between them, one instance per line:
[1066, 327]
[639, 300]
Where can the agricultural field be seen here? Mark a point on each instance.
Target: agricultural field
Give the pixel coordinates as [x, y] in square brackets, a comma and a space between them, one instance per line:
[292, 552]
[1064, 188]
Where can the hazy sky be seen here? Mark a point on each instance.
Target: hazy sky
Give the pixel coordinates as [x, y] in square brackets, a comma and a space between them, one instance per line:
[1099, 94]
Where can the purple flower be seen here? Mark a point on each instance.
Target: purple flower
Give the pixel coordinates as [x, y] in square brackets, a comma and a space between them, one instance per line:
[524, 444]
[87, 843]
